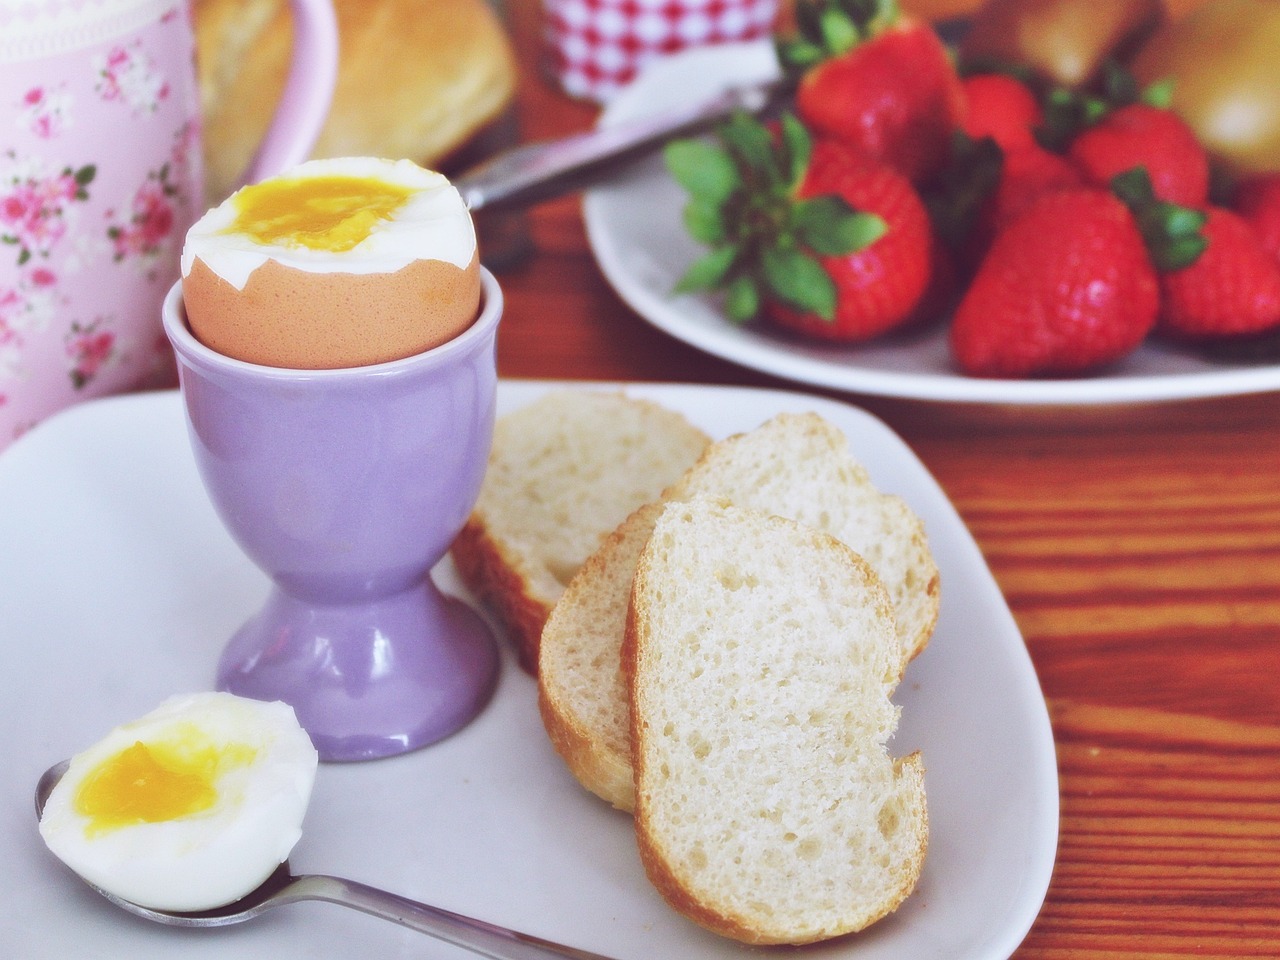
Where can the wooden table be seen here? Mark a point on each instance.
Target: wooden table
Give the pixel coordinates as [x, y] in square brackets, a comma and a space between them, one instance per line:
[1139, 549]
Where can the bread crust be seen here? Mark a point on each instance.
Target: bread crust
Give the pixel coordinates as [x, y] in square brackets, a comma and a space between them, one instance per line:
[493, 574]
[600, 765]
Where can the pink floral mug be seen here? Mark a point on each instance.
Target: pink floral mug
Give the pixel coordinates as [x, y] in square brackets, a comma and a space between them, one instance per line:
[100, 176]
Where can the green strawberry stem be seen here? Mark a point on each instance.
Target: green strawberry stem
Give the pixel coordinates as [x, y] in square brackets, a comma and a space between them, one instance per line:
[829, 28]
[1069, 111]
[1172, 233]
[765, 242]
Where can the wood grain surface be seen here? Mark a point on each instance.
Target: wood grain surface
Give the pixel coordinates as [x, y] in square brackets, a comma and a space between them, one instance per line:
[1139, 549]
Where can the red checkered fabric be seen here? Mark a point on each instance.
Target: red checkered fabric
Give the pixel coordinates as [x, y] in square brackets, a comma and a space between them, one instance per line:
[595, 47]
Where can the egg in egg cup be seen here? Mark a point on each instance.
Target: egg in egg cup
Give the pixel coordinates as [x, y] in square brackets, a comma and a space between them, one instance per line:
[346, 485]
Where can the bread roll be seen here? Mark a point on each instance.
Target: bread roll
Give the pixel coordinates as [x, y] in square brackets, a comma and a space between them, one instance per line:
[417, 79]
[1063, 41]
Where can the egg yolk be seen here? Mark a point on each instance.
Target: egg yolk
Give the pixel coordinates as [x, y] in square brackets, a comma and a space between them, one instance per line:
[332, 213]
[157, 782]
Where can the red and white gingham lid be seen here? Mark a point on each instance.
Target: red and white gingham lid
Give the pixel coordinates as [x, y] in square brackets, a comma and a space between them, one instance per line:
[596, 47]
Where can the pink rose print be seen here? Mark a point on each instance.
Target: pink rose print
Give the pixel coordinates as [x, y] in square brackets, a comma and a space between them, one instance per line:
[28, 306]
[89, 349]
[185, 143]
[12, 306]
[44, 111]
[151, 218]
[32, 208]
[131, 78]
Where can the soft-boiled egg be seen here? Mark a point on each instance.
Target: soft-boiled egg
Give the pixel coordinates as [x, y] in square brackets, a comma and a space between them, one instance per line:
[337, 262]
[187, 808]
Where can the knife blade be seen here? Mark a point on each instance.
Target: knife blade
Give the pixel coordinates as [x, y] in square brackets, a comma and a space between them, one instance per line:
[546, 169]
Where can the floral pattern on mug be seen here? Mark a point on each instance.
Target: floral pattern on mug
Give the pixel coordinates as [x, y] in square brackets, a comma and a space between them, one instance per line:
[33, 205]
[46, 112]
[150, 226]
[150, 219]
[29, 306]
[129, 76]
[90, 347]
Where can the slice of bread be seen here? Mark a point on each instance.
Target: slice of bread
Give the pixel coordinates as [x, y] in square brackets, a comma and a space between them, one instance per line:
[761, 655]
[582, 694]
[563, 472]
[797, 466]
[800, 466]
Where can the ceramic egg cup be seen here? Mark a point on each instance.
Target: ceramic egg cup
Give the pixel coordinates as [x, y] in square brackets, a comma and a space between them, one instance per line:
[346, 487]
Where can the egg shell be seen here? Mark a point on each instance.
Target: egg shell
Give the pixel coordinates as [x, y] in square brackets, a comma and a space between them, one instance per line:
[302, 319]
[409, 282]
[211, 858]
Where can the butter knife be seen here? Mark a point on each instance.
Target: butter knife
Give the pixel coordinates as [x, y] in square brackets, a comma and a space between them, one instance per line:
[542, 170]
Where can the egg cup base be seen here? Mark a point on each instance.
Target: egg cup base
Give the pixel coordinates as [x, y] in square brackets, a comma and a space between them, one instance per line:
[367, 679]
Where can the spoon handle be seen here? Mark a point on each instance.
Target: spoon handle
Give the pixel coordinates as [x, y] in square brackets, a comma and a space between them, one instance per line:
[486, 939]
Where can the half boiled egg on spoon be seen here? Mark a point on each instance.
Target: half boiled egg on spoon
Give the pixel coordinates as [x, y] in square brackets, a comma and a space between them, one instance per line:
[186, 815]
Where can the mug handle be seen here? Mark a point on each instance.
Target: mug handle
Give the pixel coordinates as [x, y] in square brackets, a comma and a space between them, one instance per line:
[308, 91]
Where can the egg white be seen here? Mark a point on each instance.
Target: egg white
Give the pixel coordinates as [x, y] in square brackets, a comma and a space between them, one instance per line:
[433, 224]
[210, 858]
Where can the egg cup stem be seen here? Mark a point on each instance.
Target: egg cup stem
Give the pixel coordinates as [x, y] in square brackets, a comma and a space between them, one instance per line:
[366, 679]
[346, 487]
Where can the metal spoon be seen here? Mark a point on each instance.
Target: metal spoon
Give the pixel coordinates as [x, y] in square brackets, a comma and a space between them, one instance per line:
[282, 887]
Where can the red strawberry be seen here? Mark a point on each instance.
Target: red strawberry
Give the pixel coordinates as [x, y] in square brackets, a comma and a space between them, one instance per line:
[1066, 287]
[1028, 173]
[878, 286]
[813, 236]
[1142, 135]
[986, 188]
[1001, 107]
[881, 82]
[1257, 199]
[1232, 288]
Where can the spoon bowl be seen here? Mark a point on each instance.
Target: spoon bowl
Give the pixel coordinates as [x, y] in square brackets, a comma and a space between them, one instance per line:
[284, 887]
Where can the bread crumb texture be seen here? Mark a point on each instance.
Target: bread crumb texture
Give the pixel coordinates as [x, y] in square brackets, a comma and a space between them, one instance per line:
[564, 471]
[762, 655]
[800, 466]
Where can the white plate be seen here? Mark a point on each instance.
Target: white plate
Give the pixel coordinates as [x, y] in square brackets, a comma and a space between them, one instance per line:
[634, 228]
[120, 587]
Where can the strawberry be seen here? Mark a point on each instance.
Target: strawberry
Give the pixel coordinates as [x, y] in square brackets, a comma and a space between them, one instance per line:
[1232, 288]
[1216, 278]
[1143, 135]
[1001, 107]
[1028, 173]
[1066, 287]
[1257, 199]
[811, 235]
[875, 79]
[987, 187]
[879, 286]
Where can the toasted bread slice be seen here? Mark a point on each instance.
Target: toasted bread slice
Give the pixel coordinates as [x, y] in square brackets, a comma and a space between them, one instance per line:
[796, 466]
[563, 472]
[761, 655]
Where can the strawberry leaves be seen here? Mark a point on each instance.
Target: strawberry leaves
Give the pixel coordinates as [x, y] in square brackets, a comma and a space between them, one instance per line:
[1172, 233]
[828, 28]
[766, 242]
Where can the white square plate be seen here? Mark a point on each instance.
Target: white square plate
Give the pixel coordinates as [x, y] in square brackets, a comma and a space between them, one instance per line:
[120, 587]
